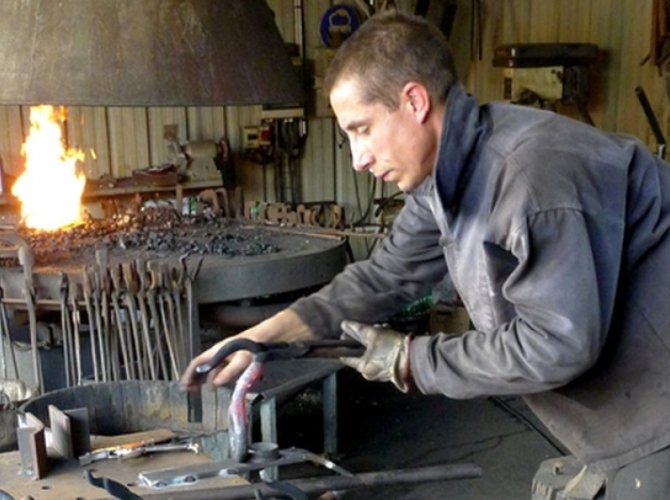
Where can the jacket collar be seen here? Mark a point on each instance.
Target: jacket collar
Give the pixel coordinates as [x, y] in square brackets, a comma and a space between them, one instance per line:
[465, 127]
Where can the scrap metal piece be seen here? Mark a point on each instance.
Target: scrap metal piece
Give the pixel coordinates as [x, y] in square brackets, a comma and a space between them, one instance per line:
[114, 488]
[181, 476]
[134, 450]
[322, 484]
[32, 446]
[70, 432]
[61, 432]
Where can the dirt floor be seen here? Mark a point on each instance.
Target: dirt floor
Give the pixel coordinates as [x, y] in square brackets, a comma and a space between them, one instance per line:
[382, 429]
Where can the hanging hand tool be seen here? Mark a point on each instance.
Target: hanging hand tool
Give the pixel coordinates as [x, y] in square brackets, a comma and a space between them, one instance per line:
[68, 335]
[149, 284]
[76, 327]
[131, 304]
[141, 268]
[96, 294]
[168, 334]
[110, 347]
[178, 339]
[27, 260]
[5, 337]
[87, 279]
[123, 335]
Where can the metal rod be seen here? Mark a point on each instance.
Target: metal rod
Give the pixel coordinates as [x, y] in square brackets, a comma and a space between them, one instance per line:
[315, 486]
[653, 122]
[237, 411]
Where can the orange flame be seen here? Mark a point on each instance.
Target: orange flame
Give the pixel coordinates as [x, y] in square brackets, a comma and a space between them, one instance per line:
[50, 188]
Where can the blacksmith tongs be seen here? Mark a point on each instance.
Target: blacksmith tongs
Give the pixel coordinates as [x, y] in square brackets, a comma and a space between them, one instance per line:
[272, 351]
[262, 352]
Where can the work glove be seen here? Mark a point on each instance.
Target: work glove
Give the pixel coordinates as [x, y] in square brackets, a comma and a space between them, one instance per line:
[386, 356]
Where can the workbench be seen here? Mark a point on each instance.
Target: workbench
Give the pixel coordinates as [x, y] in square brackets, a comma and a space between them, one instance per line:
[66, 481]
[135, 406]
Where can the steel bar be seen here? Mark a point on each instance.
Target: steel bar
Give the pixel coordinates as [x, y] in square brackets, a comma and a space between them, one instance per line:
[320, 485]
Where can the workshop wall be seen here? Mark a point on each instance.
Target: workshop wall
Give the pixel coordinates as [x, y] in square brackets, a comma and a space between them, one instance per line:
[621, 29]
[119, 140]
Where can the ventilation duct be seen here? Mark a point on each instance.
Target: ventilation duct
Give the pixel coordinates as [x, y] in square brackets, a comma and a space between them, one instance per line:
[143, 53]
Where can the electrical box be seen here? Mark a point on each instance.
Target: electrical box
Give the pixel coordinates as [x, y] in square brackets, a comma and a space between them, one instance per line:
[250, 136]
[256, 137]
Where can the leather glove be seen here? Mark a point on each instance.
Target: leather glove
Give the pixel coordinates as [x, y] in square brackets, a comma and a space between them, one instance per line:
[386, 356]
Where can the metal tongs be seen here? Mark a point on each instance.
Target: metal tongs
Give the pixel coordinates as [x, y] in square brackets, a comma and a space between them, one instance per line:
[272, 351]
[246, 458]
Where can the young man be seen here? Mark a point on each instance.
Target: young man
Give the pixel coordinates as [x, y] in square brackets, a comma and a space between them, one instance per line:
[555, 234]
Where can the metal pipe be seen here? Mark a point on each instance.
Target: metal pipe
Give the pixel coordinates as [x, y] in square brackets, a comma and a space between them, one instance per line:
[320, 485]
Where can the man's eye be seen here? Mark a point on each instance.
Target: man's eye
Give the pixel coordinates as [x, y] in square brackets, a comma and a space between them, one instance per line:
[344, 140]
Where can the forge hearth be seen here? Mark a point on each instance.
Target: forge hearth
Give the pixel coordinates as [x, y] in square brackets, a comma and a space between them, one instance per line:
[155, 233]
[128, 291]
[237, 260]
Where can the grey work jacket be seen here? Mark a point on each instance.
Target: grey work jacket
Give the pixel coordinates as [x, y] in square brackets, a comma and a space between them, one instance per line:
[556, 236]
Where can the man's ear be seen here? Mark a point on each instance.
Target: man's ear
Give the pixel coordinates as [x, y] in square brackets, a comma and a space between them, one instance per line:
[415, 96]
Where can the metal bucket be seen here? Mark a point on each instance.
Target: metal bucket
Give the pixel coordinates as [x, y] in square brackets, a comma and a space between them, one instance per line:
[136, 406]
[12, 394]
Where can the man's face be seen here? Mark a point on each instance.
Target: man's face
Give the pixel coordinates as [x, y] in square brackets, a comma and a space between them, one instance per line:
[394, 146]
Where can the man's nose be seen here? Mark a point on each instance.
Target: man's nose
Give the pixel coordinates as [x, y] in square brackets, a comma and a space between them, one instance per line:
[361, 159]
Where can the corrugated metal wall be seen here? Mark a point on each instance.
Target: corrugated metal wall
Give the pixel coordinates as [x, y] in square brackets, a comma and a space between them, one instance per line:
[126, 139]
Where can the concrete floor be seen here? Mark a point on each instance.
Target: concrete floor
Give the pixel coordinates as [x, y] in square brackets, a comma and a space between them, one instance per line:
[382, 429]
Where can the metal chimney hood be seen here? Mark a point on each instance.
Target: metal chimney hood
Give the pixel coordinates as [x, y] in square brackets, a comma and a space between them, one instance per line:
[143, 53]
